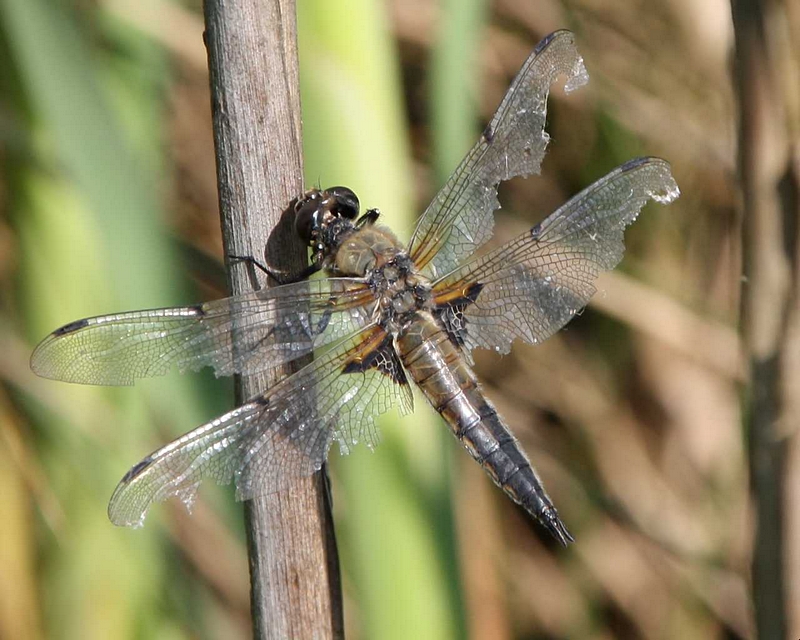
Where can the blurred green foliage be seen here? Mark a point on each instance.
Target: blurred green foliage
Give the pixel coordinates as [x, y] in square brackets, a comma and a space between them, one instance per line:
[398, 542]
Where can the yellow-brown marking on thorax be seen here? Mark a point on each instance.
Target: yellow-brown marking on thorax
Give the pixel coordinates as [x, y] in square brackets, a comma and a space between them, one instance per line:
[369, 248]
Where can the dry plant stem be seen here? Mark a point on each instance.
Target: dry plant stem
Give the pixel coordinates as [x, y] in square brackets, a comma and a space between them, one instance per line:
[252, 55]
[769, 300]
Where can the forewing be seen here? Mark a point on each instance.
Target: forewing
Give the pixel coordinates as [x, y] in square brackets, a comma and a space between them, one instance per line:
[272, 326]
[532, 286]
[276, 437]
[460, 218]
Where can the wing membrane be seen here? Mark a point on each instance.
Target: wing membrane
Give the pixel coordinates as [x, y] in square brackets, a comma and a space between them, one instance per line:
[532, 286]
[275, 437]
[460, 218]
[242, 334]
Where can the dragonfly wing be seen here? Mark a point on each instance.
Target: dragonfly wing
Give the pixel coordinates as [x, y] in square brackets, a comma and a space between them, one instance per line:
[460, 218]
[242, 334]
[275, 437]
[532, 286]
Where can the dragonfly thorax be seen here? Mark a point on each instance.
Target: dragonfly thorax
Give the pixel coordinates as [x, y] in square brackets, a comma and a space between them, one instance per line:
[400, 292]
[364, 250]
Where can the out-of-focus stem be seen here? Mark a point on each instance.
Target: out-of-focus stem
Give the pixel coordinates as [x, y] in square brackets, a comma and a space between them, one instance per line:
[770, 293]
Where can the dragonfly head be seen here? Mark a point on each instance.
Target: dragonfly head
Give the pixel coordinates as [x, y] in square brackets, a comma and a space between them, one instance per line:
[318, 213]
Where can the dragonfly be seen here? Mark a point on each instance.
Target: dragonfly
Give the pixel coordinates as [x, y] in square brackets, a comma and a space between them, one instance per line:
[386, 315]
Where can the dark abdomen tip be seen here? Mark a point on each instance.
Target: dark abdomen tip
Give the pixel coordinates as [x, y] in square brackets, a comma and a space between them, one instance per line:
[552, 522]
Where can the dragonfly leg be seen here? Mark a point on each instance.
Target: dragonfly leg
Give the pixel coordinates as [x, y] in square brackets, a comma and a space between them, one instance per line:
[280, 277]
[370, 217]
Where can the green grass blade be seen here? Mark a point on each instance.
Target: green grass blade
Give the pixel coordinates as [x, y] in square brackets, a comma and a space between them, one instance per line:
[395, 551]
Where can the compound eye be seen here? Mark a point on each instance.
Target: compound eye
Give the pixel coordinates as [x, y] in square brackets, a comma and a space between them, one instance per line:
[345, 202]
[307, 220]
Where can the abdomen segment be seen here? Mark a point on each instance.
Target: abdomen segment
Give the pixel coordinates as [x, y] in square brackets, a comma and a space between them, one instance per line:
[480, 429]
[435, 364]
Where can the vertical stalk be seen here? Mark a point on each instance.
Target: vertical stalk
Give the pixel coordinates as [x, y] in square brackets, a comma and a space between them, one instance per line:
[252, 55]
[769, 294]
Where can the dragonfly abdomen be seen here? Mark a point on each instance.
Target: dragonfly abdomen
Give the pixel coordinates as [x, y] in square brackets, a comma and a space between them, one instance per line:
[491, 444]
[436, 365]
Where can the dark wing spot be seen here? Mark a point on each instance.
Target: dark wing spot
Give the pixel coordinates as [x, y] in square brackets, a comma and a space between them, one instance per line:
[358, 366]
[536, 231]
[545, 41]
[633, 164]
[488, 133]
[71, 327]
[198, 310]
[451, 318]
[384, 358]
[136, 469]
[451, 314]
[473, 291]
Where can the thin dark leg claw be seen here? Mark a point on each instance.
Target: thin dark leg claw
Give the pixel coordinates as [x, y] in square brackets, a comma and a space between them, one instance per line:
[253, 263]
[278, 276]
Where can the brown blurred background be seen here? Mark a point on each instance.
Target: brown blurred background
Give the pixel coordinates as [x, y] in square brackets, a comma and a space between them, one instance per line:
[639, 416]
